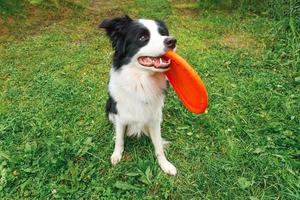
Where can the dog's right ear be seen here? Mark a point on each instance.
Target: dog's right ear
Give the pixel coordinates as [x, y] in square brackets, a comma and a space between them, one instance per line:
[115, 26]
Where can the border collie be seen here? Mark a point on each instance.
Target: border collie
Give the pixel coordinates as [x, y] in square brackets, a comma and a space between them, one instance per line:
[137, 82]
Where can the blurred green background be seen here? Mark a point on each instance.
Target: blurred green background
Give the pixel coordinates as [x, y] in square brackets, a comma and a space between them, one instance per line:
[55, 141]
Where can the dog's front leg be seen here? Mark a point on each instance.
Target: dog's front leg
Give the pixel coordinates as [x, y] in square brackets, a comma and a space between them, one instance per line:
[119, 142]
[155, 134]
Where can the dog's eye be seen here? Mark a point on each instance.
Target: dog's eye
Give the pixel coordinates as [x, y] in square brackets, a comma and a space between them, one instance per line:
[144, 37]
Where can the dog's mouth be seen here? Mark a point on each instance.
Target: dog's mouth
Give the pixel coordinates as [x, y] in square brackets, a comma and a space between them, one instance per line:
[157, 62]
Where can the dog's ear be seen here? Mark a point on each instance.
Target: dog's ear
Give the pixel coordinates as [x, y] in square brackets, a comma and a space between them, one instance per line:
[116, 30]
[115, 26]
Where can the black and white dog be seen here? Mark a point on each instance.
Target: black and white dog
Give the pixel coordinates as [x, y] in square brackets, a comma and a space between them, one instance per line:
[137, 82]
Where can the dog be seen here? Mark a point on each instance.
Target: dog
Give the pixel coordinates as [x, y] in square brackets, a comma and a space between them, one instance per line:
[137, 83]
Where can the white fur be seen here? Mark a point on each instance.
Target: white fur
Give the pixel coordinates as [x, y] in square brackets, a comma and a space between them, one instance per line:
[139, 93]
[139, 97]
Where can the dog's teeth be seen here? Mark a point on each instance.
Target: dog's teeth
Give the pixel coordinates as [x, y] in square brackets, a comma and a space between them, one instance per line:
[160, 61]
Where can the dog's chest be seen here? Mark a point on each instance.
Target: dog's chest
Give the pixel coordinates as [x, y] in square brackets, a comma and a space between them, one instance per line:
[139, 95]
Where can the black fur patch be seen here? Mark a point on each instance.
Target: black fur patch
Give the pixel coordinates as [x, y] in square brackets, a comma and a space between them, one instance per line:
[111, 106]
[162, 28]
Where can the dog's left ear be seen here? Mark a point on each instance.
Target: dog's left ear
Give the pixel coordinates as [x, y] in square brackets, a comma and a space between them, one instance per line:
[116, 30]
[115, 26]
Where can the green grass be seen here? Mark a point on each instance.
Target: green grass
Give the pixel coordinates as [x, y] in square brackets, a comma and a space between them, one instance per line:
[55, 141]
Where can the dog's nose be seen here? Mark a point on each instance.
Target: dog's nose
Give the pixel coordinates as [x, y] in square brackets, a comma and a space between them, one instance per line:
[170, 42]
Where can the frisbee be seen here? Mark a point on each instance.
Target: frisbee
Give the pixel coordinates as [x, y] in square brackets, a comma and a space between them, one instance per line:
[187, 84]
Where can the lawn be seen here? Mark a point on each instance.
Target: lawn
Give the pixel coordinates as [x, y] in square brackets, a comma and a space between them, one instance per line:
[55, 140]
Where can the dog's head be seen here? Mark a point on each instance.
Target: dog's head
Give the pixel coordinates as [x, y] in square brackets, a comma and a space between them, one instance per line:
[142, 43]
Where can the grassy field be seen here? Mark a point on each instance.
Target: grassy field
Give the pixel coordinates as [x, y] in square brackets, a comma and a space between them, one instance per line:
[55, 141]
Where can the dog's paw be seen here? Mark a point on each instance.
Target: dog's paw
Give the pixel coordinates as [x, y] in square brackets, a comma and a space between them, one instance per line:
[115, 158]
[168, 167]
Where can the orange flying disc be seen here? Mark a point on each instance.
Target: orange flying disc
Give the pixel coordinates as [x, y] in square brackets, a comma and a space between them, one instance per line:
[187, 84]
